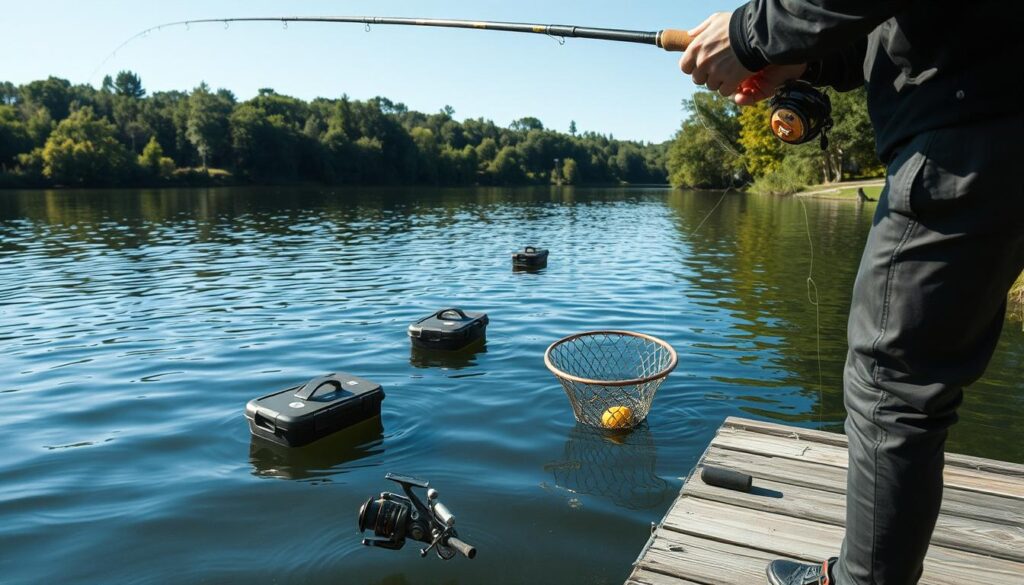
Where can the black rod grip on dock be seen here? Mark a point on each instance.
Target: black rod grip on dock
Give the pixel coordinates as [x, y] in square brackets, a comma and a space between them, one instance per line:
[726, 478]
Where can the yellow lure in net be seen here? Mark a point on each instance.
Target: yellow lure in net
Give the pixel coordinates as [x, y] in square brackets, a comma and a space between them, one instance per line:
[617, 417]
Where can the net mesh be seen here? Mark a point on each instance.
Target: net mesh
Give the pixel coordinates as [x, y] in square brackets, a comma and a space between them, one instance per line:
[611, 377]
[619, 466]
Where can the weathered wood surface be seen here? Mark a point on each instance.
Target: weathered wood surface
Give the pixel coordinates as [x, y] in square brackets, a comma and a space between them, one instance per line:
[714, 536]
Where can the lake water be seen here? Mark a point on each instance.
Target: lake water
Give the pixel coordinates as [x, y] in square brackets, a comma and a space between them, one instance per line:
[135, 325]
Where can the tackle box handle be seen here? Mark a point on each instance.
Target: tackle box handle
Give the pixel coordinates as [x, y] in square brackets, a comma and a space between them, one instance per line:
[460, 312]
[530, 249]
[310, 388]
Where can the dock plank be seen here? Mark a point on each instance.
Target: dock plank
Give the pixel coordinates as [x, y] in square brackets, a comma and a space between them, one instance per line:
[713, 536]
[811, 541]
[957, 502]
[702, 559]
[985, 538]
[977, 480]
[645, 577]
[839, 440]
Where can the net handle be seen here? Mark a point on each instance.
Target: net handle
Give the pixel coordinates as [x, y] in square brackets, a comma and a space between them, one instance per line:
[615, 383]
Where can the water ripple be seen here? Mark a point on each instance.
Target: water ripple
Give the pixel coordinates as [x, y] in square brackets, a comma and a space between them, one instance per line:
[136, 325]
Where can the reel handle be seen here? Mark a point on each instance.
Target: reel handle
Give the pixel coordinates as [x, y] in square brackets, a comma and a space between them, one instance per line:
[467, 550]
[753, 85]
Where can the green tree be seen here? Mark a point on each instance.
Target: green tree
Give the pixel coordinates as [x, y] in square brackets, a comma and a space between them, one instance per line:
[153, 162]
[458, 167]
[570, 172]
[276, 137]
[487, 150]
[629, 164]
[30, 164]
[266, 147]
[429, 155]
[14, 137]
[9, 94]
[84, 150]
[572, 127]
[795, 172]
[128, 84]
[53, 93]
[852, 138]
[208, 127]
[705, 152]
[505, 168]
[527, 124]
[131, 128]
[762, 151]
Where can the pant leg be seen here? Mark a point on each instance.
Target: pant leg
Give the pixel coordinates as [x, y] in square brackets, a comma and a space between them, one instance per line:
[928, 307]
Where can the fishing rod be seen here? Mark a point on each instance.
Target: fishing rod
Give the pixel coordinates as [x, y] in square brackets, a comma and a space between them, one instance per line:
[668, 39]
[799, 112]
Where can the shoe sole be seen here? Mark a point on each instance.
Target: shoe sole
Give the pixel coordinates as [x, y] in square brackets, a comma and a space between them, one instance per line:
[771, 581]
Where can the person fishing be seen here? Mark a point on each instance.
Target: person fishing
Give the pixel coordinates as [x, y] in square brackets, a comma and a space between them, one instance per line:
[946, 243]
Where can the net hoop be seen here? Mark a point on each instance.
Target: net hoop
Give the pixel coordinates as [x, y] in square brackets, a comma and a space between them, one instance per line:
[673, 360]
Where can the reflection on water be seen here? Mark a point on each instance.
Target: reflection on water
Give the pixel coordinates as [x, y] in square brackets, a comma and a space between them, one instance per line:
[524, 269]
[617, 466]
[462, 359]
[136, 325]
[321, 459]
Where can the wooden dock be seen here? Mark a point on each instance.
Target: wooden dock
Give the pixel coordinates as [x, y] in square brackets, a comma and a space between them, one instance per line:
[714, 536]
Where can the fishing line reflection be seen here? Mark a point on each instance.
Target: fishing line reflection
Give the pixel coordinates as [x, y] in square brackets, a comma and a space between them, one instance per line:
[321, 459]
[617, 466]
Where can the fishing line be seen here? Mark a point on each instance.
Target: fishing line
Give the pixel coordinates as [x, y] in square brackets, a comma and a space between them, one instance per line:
[812, 297]
[714, 133]
[721, 141]
[710, 213]
[812, 287]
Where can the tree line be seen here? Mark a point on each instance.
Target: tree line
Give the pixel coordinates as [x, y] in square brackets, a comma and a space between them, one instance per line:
[722, 145]
[55, 133]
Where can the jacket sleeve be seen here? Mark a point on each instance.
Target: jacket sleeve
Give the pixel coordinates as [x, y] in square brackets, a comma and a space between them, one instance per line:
[786, 32]
[843, 70]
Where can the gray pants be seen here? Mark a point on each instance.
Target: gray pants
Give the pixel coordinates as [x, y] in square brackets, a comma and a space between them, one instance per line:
[928, 308]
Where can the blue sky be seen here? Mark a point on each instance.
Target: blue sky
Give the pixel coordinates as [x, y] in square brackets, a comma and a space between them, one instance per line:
[631, 91]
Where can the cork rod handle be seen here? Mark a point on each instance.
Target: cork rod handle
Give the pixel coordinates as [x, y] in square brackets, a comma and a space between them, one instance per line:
[674, 40]
[677, 41]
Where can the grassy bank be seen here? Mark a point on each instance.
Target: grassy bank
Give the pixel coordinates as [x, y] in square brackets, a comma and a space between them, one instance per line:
[844, 191]
[1017, 299]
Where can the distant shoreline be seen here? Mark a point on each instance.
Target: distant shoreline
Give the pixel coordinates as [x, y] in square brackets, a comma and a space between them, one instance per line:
[300, 185]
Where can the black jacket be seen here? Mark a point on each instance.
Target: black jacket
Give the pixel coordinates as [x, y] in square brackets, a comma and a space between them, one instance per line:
[927, 63]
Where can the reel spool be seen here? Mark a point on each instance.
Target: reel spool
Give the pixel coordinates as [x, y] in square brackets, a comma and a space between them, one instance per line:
[800, 113]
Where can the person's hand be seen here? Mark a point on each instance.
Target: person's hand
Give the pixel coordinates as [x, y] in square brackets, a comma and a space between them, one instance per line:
[766, 81]
[710, 60]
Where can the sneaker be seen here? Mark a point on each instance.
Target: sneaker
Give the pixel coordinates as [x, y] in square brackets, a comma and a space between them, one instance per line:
[782, 572]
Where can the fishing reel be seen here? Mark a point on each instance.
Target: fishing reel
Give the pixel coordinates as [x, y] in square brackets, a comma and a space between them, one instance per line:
[800, 113]
[394, 518]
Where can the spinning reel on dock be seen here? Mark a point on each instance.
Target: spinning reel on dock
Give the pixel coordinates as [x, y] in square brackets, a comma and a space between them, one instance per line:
[394, 518]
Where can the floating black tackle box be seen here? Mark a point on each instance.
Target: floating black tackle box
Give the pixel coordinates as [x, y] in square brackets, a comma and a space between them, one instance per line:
[530, 257]
[302, 414]
[449, 330]
[320, 458]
